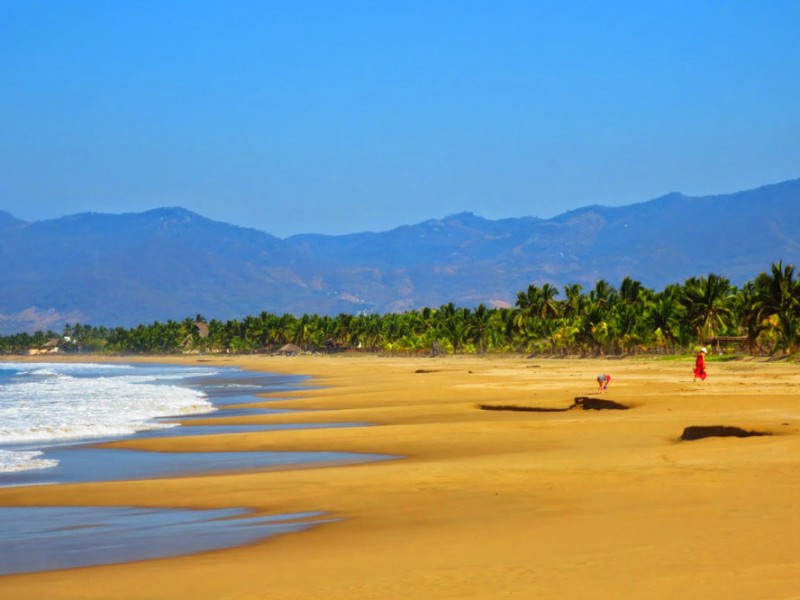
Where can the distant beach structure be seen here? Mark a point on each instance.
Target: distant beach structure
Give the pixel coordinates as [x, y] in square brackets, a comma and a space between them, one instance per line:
[289, 350]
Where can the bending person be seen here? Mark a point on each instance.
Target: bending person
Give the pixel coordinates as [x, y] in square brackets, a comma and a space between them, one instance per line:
[602, 383]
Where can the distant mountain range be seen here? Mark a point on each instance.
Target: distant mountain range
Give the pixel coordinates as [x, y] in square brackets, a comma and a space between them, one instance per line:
[170, 263]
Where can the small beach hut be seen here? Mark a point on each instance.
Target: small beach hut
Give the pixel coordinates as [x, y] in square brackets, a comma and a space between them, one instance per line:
[289, 350]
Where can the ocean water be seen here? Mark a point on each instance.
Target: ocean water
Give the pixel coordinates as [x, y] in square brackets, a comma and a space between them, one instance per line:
[52, 415]
[43, 405]
[37, 538]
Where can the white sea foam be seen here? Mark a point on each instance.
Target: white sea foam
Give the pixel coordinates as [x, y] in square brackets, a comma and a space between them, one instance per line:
[23, 461]
[45, 404]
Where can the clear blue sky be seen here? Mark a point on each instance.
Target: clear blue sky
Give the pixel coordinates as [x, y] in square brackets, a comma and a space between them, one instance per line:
[343, 116]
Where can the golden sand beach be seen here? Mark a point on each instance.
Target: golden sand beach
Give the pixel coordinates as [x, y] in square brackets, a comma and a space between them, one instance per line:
[487, 504]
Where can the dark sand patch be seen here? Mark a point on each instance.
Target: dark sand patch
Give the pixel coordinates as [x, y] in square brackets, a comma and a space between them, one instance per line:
[581, 402]
[587, 403]
[698, 432]
[513, 407]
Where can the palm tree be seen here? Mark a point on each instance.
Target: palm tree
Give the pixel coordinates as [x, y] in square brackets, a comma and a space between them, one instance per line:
[603, 295]
[665, 316]
[342, 329]
[750, 313]
[779, 295]
[625, 327]
[527, 299]
[539, 302]
[477, 327]
[548, 307]
[708, 302]
[593, 330]
[575, 300]
[452, 324]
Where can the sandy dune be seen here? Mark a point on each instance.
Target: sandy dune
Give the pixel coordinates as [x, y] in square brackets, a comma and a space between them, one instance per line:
[487, 503]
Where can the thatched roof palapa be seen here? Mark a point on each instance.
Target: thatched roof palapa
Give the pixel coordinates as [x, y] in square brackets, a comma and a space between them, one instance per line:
[289, 349]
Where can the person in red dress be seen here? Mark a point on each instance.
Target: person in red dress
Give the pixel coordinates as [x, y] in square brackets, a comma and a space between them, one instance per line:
[700, 365]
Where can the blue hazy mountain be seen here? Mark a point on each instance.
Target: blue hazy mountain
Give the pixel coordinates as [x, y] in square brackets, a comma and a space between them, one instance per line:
[171, 263]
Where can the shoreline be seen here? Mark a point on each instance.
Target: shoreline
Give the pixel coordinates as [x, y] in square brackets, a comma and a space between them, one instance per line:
[230, 394]
[485, 504]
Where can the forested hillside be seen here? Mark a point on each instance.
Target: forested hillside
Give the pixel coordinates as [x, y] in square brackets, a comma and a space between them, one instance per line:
[123, 270]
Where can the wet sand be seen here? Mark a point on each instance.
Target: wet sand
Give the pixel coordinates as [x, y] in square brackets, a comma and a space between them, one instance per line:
[486, 503]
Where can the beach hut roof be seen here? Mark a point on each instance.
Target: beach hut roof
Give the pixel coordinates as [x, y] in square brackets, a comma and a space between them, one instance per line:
[290, 349]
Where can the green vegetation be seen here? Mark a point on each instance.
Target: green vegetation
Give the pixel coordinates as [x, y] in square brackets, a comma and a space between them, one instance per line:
[763, 317]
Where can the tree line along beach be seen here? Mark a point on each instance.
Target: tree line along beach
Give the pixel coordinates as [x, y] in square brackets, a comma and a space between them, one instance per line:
[762, 317]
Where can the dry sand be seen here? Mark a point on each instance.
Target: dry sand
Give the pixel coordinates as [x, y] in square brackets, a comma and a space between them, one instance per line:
[487, 504]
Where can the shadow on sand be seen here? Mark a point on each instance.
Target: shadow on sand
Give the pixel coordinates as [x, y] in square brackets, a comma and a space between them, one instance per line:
[581, 402]
[698, 432]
